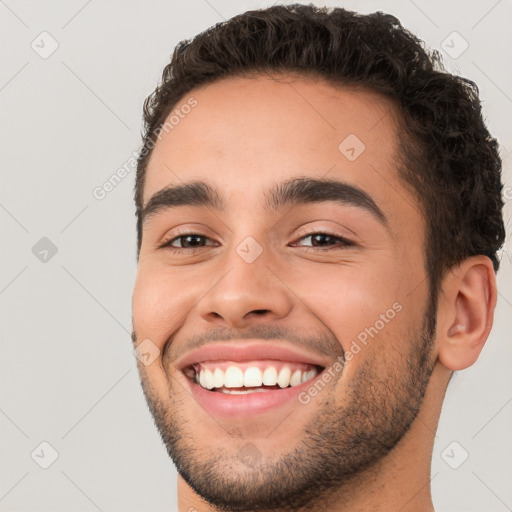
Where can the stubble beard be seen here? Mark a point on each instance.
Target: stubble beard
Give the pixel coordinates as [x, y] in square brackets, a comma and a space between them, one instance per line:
[340, 443]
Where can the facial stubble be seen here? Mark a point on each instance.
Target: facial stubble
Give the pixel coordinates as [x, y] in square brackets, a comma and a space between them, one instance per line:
[339, 443]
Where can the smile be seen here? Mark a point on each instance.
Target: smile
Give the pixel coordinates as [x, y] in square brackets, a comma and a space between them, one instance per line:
[229, 377]
[246, 379]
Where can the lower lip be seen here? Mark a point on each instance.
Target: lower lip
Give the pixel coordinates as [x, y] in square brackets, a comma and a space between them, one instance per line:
[247, 405]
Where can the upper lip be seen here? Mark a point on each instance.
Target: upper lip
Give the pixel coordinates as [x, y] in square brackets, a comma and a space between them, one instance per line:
[242, 351]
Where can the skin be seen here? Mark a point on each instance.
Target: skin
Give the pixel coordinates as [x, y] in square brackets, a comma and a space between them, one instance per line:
[243, 136]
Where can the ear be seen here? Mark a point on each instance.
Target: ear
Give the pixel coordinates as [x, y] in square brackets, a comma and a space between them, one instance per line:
[466, 312]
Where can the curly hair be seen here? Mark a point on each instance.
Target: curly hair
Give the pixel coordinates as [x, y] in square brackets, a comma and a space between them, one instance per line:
[447, 156]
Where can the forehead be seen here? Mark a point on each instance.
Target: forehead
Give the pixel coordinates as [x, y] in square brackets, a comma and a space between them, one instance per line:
[245, 134]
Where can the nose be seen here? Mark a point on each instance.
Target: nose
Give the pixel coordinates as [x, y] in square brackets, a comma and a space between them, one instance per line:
[245, 293]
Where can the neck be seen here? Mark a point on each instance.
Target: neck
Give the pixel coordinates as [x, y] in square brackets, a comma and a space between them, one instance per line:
[399, 481]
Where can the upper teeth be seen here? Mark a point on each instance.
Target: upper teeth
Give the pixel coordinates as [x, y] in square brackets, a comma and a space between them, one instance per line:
[235, 377]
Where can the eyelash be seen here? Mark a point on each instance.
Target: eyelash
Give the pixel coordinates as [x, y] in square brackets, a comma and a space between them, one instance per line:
[344, 241]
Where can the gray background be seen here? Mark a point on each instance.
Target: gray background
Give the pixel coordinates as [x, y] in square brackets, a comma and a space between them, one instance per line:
[68, 375]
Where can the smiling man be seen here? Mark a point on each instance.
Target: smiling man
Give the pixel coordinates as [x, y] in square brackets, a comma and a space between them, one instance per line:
[319, 212]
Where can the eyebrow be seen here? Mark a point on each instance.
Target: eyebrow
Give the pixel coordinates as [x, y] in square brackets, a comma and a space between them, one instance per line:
[197, 193]
[293, 192]
[317, 190]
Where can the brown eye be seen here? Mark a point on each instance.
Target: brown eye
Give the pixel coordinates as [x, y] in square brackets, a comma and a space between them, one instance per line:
[321, 240]
[325, 241]
[187, 241]
[190, 241]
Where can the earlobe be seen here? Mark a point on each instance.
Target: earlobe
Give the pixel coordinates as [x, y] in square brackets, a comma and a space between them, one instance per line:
[469, 302]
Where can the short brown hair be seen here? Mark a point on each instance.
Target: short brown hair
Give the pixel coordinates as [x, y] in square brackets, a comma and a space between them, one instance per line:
[447, 154]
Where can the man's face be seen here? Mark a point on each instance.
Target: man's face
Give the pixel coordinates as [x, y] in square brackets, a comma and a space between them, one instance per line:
[281, 275]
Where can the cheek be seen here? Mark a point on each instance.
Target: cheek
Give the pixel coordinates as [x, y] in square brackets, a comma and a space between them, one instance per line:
[347, 299]
[160, 304]
[370, 310]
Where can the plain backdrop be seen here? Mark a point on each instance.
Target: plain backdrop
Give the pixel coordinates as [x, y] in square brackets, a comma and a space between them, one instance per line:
[70, 117]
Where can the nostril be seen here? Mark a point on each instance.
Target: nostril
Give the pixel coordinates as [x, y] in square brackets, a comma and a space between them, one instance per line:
[260, 311]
